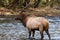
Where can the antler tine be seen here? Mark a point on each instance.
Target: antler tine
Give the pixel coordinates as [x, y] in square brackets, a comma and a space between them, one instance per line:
[24, 8]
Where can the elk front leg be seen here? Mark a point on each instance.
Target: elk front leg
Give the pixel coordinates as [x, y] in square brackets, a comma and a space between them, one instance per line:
[29, 33]
[33, 33]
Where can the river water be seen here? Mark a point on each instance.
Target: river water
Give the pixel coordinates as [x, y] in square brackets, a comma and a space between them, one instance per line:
[14, 30]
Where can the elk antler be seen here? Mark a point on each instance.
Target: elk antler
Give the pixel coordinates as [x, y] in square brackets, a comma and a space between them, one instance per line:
[27, 6]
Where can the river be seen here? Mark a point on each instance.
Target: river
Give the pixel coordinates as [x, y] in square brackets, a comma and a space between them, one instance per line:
[14, 30]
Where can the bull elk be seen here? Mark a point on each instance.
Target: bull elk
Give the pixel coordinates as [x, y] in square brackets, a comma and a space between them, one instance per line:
[33, 23]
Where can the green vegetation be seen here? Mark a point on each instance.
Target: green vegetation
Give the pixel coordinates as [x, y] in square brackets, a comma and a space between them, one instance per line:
[20, 3]
[13, 6]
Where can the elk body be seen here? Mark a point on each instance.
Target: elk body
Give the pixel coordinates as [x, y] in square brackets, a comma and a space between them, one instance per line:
[33, 23]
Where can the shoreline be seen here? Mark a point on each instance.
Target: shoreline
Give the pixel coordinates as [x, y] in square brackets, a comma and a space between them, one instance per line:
[46, 11]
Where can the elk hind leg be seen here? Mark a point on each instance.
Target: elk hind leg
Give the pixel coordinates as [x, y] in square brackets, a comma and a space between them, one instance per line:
[41, 32]
[48, 34]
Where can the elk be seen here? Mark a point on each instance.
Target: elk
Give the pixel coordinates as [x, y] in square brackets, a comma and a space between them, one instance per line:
[33, 23]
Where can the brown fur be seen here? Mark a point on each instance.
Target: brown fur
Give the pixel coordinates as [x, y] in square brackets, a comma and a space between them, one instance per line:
[33, 23]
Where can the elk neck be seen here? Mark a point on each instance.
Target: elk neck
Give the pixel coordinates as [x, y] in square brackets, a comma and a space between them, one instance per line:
[23, 17]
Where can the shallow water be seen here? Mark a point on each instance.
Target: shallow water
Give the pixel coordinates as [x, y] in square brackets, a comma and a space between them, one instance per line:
[14, 30]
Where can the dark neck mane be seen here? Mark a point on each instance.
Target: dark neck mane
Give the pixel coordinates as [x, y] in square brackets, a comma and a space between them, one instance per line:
[23, 16]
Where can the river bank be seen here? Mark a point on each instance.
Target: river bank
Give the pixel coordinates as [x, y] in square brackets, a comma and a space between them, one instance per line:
[43, 11]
